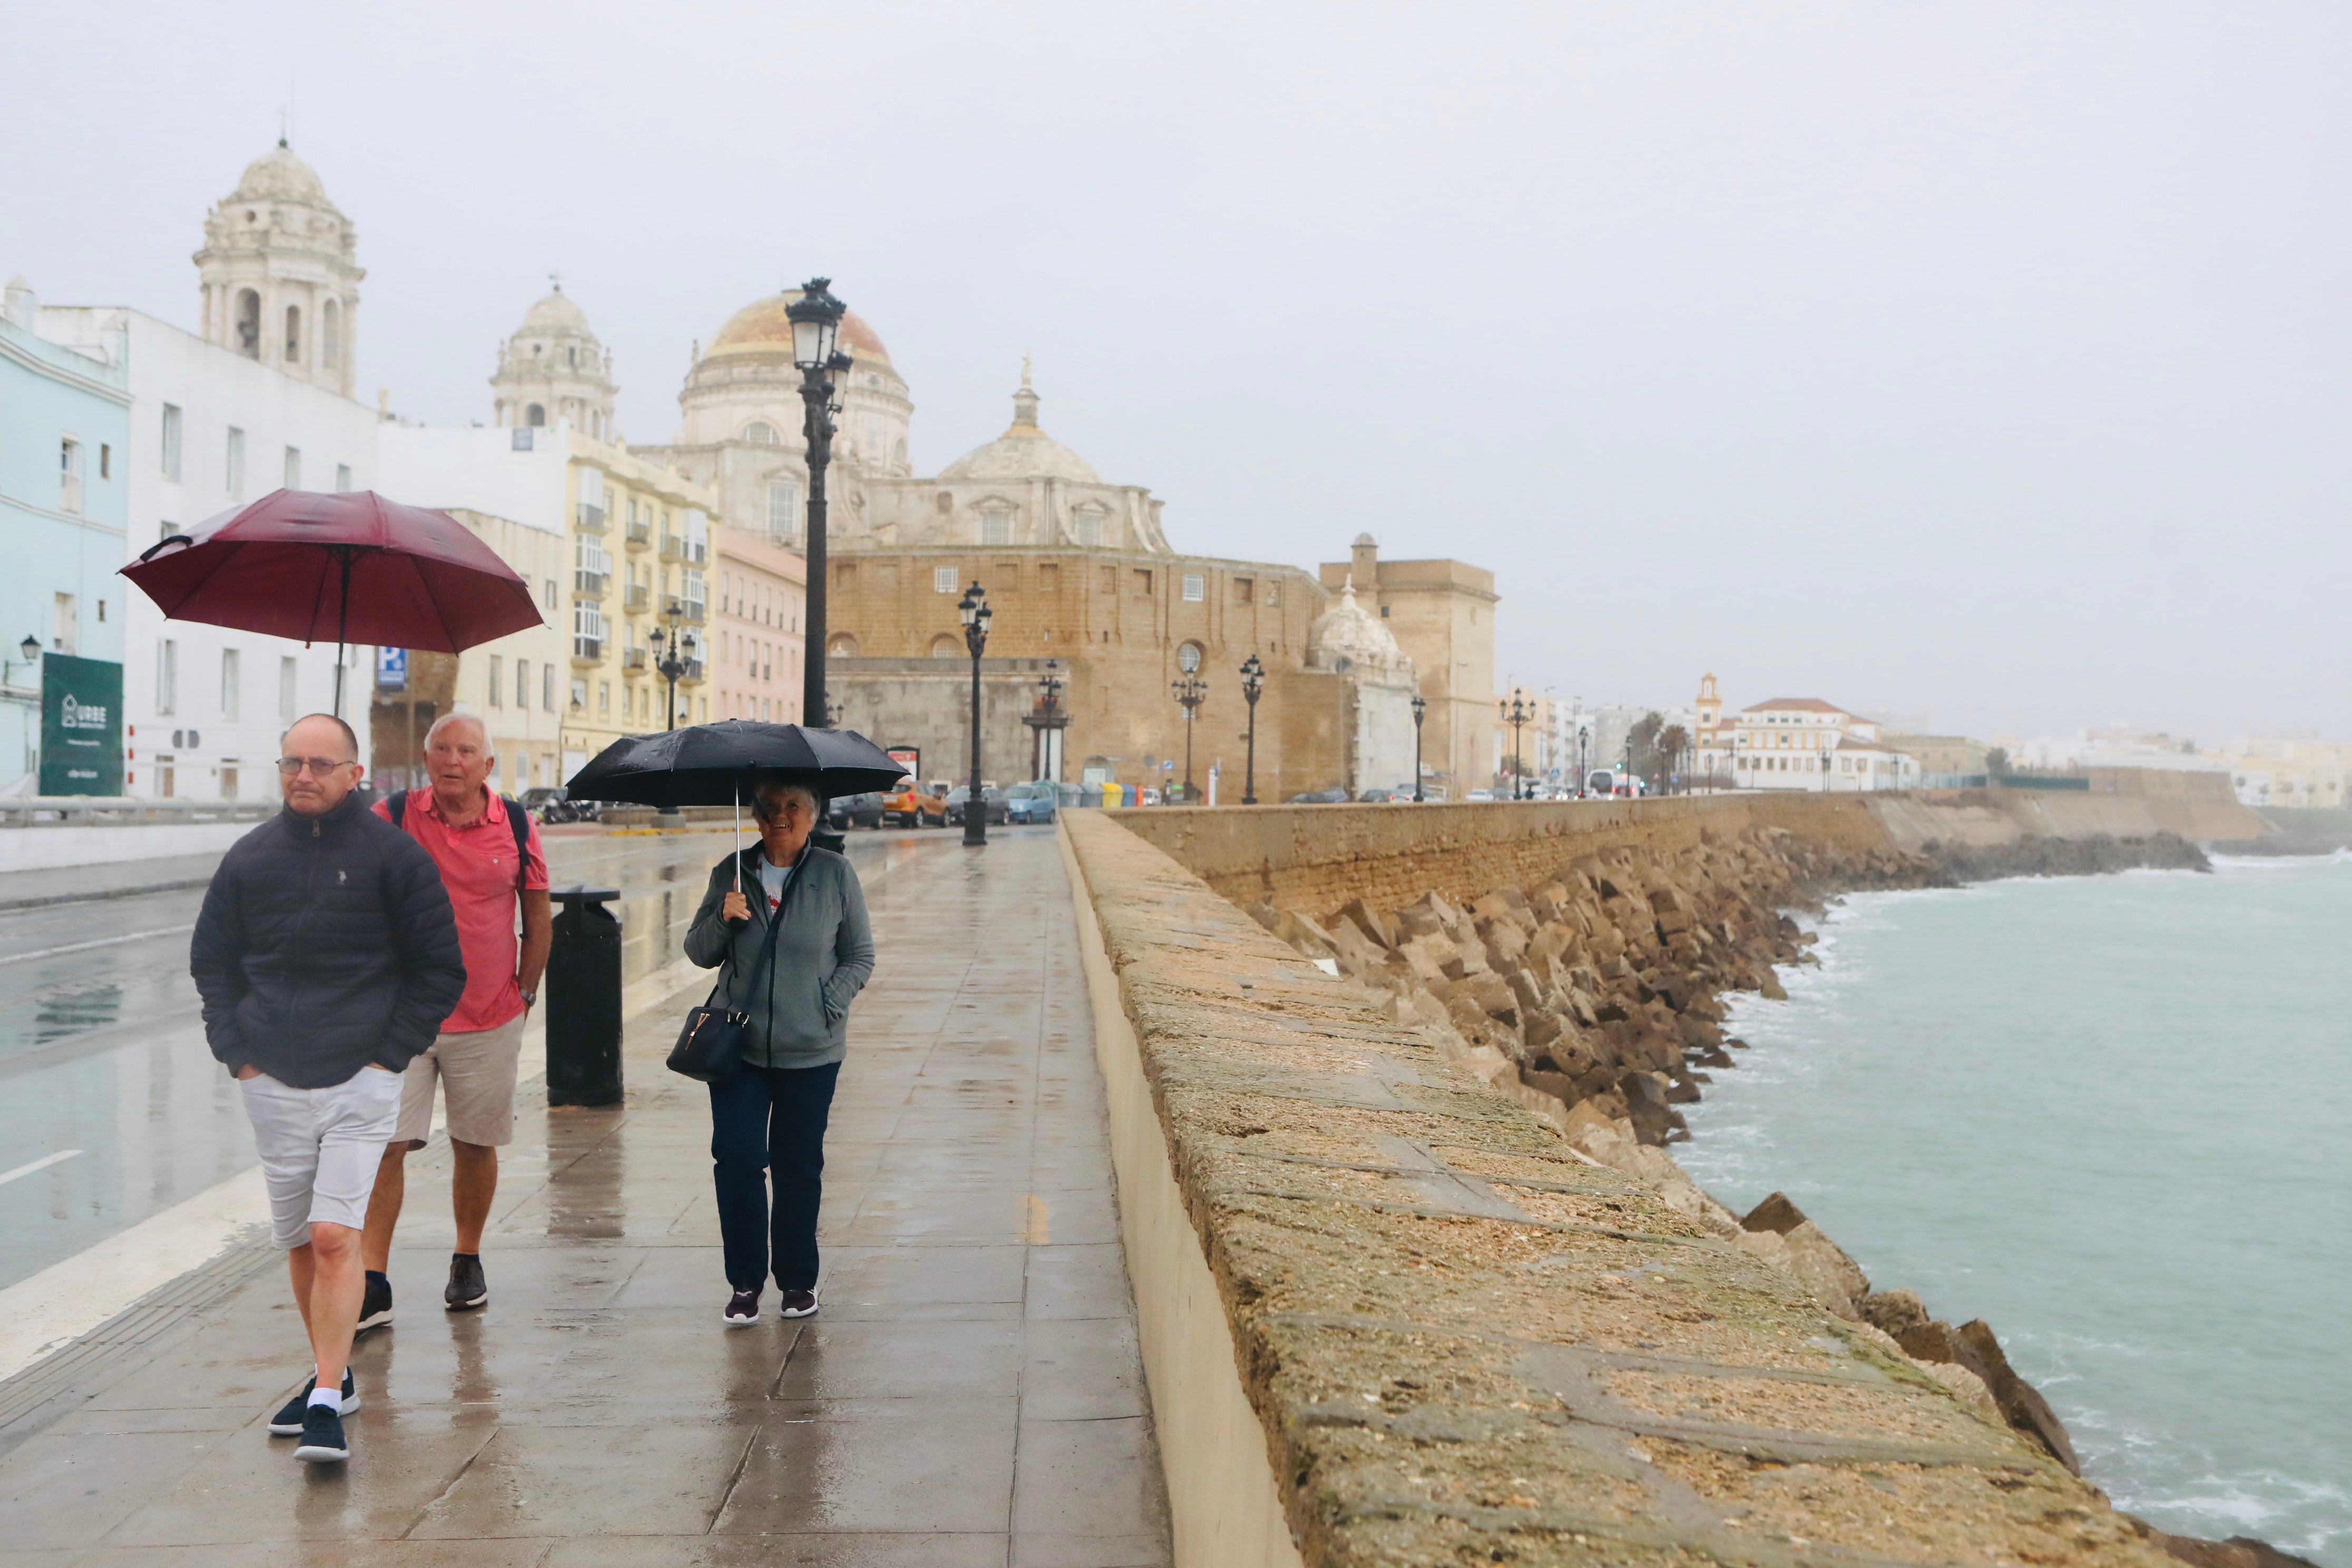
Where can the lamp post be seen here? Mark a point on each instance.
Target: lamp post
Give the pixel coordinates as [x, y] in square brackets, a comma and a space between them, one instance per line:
[1420, 708]
[1047, 720]
[31, 650]
[973, 608]
[1516, 713]
[1252, 685]
[669, 655]
[1189, 689]
[1583, 745]
[816, 328]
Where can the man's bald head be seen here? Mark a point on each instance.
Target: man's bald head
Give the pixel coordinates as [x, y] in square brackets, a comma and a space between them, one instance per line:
[320, 765]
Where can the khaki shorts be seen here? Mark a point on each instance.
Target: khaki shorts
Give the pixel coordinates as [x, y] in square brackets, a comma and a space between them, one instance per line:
[477, 1072]
[319, 1148]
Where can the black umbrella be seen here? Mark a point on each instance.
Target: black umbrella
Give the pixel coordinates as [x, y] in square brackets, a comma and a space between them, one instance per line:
[711, 764]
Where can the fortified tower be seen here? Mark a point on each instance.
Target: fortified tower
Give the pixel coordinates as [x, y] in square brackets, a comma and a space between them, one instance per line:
[278, 271]
[553, 368]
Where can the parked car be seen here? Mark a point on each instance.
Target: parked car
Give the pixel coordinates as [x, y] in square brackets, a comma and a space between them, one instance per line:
[1031, 802]
[855, 811]
[548, 803]
[1384, 796]
[1480, 795]
[913, 805]
[994, 807]
[1319, 798]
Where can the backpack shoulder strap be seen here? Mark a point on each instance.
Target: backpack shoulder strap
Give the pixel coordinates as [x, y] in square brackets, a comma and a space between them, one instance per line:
[519, 821]
[397, 804]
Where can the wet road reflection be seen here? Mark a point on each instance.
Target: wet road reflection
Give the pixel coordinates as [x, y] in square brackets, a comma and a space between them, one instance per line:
[101, 1049]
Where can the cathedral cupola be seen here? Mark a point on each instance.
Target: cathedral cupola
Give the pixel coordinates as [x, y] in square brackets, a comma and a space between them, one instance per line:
[280, 273]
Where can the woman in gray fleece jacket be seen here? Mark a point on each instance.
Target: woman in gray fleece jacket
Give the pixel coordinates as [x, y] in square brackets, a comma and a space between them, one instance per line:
[769, 1114]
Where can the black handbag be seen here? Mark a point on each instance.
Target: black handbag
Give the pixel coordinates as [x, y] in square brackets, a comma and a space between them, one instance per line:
[711, 1043]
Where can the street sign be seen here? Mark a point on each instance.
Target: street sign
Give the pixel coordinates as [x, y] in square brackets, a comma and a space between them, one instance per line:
[81, 726]
[392, 669]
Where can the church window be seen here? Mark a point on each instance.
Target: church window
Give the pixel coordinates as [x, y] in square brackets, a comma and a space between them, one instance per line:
[946, 503]
[1188, 657]
[1245, 590]
[293, 334]
[1143, 582]
[1384, 612]
[571, 357]
[1090, 527]
[783, 511]
[996, 526]
[331, 335]
[248, 323]
[842, 647]
[1196, 587]
[898, 452]
[943, 579]
[535, 416]
[760, 433]
[946, 647]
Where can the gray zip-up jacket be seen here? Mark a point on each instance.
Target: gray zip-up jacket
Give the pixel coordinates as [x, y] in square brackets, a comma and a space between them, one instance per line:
[823, 955]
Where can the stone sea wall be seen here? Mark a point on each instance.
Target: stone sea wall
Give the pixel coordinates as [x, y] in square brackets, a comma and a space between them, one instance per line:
[1473, 1323]
[1574, 961]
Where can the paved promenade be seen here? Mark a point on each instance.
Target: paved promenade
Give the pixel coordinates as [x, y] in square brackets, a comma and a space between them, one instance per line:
[970, 1395]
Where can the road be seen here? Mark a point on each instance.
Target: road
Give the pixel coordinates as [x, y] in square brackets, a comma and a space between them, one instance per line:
[111, 1108]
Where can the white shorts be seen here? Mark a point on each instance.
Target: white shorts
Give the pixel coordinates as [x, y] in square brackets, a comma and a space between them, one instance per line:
[319, 1148]
[477, 1072]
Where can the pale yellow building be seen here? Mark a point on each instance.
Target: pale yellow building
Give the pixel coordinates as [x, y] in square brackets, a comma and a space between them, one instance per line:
[640, 553]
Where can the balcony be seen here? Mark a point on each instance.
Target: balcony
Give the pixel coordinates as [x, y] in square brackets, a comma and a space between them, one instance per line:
[589, 519]
[692, 674]
[590, 585]
[640, 598]
[587, 651]
[640, 534]
[674, 548]
[633, 659]
[689, 611]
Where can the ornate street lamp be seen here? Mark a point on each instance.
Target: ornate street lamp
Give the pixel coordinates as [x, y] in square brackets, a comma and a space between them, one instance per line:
[669, 655]
[1516, 712]
[816, 328]
[1189, 689]
[1253, 685]
[973, 608]
[1420, 708]
[1047, 718]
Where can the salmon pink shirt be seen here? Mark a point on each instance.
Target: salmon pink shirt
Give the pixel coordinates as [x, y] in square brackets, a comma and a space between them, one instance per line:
[478, 867]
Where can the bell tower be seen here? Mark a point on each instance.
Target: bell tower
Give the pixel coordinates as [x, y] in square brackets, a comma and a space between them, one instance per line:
[279, 275]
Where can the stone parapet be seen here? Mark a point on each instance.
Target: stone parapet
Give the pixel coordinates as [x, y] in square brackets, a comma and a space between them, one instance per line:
[1389, 1316]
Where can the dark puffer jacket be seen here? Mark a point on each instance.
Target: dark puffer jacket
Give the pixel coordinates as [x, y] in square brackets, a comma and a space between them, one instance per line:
[326, 943]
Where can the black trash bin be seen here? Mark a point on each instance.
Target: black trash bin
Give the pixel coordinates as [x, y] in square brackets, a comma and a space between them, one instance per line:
[583, 1000]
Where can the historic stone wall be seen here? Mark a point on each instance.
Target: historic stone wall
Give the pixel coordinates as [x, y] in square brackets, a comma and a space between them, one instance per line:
[1461, 1339]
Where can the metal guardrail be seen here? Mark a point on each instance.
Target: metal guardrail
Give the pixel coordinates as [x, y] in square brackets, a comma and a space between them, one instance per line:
[125, 811]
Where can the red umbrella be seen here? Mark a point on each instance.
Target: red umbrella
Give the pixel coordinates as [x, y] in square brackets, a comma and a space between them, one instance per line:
[296, 563]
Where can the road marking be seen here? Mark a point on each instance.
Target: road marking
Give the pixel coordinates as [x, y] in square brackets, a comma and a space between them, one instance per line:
[101, 942]
[59, 1158]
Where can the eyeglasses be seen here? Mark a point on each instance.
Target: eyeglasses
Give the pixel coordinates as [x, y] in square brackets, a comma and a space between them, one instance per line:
[320, 766]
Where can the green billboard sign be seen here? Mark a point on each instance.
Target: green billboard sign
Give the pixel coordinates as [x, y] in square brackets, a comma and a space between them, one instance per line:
[81, 726]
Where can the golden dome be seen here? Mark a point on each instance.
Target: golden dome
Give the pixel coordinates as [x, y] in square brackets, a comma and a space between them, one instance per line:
[763, 328]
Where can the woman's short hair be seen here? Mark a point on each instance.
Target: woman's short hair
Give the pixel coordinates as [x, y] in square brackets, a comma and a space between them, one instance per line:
[769, 786]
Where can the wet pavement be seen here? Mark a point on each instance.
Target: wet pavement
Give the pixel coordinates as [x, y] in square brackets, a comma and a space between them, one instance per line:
[969, 1394]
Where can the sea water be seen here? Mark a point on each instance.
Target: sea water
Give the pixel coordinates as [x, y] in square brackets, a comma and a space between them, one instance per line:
[2113, 1117]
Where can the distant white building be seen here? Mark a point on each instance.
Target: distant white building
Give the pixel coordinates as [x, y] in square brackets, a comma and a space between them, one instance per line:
[256, 403]
[1805, 743]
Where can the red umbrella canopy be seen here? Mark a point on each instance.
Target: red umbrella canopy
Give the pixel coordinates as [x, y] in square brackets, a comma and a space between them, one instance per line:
[352, 568]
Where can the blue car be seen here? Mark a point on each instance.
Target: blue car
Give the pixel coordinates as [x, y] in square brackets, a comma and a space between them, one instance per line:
[1029, 803]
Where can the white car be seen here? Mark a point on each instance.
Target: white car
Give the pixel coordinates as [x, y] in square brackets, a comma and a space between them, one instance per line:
[1480, 795]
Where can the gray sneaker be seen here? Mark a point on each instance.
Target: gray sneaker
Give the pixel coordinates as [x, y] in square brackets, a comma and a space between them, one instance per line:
[467, 1290]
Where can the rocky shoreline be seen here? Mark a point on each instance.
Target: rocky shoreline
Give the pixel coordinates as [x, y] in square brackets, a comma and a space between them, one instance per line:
[1594, 998]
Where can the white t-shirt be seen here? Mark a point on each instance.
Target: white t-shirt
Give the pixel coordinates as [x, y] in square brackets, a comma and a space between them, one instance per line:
[772, 880]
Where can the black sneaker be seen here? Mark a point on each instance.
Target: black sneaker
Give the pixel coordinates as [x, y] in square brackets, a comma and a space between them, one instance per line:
[467, 1290]
[375, 1307]
[287, 1421]
[322, 1437]
[743, 1309]
[798, 1304]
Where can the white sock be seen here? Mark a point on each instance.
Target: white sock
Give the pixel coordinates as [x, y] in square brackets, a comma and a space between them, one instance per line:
[328, 1397]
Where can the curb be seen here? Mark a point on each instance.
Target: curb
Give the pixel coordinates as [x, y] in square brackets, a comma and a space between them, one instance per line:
[182, 885]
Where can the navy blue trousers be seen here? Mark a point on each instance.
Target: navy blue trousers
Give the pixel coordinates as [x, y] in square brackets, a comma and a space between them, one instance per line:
[771, 1121]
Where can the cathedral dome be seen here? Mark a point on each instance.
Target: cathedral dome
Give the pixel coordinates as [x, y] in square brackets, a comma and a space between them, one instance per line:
[1348, 635]
[556, 314]
[279, 174]
[763, 328]
[1024, 451]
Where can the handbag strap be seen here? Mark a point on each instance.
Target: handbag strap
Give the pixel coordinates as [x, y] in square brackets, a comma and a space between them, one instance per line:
[768, 947]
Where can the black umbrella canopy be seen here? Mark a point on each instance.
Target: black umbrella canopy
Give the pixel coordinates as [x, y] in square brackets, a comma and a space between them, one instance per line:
[711, 764]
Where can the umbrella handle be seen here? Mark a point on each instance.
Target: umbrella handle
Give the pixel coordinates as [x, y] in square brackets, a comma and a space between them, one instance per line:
[736, 789]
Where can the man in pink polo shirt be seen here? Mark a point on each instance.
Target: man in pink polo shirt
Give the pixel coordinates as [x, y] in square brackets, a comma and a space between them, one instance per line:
[487, 849]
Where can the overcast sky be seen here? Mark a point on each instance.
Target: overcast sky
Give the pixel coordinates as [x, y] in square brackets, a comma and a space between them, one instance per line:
[1986, 361]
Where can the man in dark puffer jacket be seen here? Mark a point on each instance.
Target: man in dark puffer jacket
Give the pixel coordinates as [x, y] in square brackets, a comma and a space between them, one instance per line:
[325, 957]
